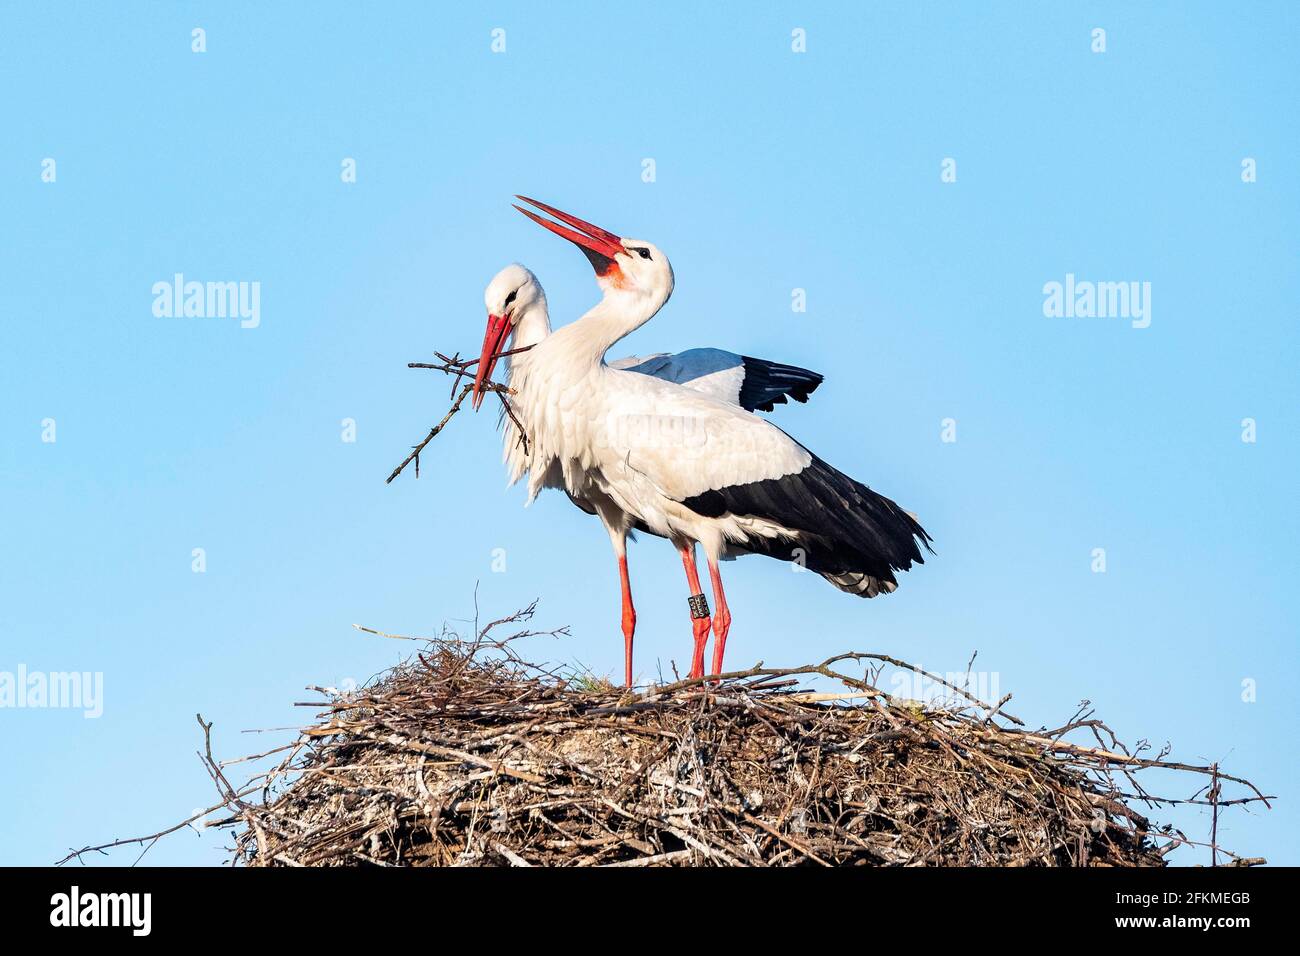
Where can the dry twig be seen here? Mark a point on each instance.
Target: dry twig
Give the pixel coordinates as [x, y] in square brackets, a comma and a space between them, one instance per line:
[458, 368]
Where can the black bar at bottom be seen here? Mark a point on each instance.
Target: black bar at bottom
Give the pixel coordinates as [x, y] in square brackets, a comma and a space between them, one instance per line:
[295, 906]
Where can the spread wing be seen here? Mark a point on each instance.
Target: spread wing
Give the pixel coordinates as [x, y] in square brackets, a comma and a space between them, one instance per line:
[751, 383]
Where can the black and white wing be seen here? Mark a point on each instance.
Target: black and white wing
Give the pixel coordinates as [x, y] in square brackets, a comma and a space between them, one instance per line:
[852, 536]
[752, 383]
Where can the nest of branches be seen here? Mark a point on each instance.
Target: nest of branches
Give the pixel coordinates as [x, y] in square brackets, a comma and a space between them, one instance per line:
[469, 755]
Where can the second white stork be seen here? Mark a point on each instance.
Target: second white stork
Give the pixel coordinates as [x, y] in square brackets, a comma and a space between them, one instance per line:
[685, 465]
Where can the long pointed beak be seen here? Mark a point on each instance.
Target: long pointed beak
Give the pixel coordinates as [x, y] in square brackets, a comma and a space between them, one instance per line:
[498, 328]
[600, 246]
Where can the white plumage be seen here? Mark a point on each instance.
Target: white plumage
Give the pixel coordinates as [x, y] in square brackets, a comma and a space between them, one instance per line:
[714, 373]
[662, 443]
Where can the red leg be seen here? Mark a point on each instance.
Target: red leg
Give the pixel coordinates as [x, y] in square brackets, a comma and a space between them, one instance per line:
[721, 617]
[629, 619]
[699, 625]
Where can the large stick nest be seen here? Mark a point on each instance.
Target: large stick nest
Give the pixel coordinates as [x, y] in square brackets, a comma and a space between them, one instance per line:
[469, 755]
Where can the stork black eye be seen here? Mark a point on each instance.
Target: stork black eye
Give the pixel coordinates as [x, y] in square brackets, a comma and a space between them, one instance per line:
[511, 297]
[643, 253]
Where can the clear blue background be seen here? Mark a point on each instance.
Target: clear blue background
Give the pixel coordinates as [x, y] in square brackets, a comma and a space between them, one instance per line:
[775, 171]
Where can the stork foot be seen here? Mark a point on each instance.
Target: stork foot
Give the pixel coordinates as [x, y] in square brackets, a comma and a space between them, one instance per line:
[721, 618]
[699, 605]
[629, 628]
[721, 625]
[629, 620]
[700, 627]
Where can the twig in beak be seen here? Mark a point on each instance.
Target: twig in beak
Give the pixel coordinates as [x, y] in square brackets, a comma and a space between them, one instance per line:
[456, 366]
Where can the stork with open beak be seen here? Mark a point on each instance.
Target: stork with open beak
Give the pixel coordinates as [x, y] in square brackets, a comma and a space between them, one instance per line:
[683, 464]
[518, 319]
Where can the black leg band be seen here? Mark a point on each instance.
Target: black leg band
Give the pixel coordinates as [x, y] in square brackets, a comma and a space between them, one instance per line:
[699, 606]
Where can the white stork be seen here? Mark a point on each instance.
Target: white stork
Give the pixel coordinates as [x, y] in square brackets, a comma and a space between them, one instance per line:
[518, 319]
[649, 453]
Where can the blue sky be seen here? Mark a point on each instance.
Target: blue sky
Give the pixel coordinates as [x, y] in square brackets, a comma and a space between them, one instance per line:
[774, 170]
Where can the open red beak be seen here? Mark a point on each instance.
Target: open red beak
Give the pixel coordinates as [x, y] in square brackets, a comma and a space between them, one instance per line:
[599, 245]
[494, 339]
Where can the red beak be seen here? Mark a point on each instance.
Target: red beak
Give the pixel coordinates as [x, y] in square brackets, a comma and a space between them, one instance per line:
[600, 246]
[498, 328]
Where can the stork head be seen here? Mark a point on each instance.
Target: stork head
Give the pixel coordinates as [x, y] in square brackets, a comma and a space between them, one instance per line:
[512, 293]
[622, 265]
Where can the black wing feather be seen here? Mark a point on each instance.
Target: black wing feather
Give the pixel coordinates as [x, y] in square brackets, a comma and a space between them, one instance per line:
[843, 530]
[766, 384]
